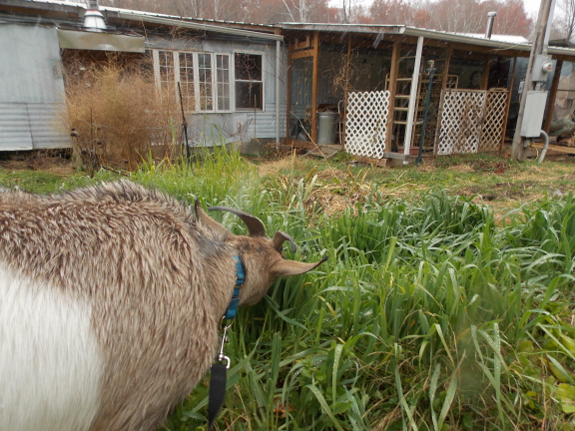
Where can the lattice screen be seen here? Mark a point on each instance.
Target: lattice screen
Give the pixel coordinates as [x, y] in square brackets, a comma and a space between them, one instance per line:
[493, 128]
[472, 121]
[461, 121]
[365, 123]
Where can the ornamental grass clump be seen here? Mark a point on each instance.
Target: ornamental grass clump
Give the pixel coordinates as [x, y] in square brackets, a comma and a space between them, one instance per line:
[118, 115]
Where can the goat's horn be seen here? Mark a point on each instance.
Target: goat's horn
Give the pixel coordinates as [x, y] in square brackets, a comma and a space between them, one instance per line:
[280, 237]
[254, 224]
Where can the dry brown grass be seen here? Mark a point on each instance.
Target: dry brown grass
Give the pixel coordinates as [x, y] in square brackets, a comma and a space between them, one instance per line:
[117, 113]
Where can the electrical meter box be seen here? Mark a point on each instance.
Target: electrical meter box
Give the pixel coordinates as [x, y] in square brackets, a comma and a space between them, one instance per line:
[533, 114]
[542, 66]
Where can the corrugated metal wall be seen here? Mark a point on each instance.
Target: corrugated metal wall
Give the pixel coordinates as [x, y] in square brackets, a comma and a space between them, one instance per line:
[32, 90]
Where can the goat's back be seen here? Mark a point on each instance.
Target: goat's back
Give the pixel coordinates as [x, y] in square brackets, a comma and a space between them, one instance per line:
[105, 309]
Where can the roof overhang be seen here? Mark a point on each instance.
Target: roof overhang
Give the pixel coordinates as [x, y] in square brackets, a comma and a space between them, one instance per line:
[129, 15]
[402, 30]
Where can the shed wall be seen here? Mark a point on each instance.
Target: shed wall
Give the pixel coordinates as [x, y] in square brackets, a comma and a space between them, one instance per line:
[32, 90]
[208, 129]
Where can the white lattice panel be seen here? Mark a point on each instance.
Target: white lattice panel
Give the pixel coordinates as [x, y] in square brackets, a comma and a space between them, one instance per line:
[365, 124]
[461, 121]
[493, 127]
[472, 121]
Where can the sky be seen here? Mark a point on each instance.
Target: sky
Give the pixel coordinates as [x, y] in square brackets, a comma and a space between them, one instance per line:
[532, 7]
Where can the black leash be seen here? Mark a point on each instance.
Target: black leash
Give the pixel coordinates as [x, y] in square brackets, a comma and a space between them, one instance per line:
[218, 378]
[218, 381]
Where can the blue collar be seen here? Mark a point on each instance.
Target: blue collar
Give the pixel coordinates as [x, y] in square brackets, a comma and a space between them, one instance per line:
[240, 279]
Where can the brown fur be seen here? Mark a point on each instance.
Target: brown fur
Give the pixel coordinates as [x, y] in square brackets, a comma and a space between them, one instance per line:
[158, 275]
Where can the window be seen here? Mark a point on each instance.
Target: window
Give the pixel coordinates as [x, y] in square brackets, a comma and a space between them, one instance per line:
[187, 80]
[204, 78]
[223, 82]
[248, 81]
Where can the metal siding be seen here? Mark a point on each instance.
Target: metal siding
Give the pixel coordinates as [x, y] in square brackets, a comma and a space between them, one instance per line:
[32, 94]
[47, 125]
[15, 132]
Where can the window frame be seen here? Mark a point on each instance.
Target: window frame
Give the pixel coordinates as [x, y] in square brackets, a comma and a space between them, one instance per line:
[262, 81]
[215, 83]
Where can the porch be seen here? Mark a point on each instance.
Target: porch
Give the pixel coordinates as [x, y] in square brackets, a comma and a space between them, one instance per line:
[381, 92]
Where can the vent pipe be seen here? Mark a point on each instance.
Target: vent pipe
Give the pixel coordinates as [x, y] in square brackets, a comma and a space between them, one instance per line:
[93, 18]
[490, 20]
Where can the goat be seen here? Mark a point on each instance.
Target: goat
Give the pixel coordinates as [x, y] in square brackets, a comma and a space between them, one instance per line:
[110, 300]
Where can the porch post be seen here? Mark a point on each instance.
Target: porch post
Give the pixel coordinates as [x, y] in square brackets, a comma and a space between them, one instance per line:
[485, 73]
[413, 96]
[508, 104]
[314, 86]
[345, 93]
[552, 96]
[393, 72]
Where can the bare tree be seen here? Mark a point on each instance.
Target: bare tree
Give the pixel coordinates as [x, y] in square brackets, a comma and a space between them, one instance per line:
[564, 22]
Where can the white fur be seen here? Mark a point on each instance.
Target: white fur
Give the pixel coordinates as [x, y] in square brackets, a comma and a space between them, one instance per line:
[50, 362]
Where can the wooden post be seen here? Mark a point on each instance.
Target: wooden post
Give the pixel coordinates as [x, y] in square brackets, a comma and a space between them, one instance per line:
[508, 105]
[552, 96]
[449, 54]
[314, 87]
[539, 46]
[346, 91]
[393, 72]
[485, 73]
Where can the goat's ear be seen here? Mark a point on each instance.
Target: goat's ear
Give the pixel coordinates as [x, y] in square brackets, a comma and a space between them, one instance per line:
[286, 268]
[209, 222]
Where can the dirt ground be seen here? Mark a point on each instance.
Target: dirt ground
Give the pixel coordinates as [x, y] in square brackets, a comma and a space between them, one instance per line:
[54, 163]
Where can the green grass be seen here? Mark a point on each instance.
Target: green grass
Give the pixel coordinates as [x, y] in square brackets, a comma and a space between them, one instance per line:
[37, 181]
[432, 313]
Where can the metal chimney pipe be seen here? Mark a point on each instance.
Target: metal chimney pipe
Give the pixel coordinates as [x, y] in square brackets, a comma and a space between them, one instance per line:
[93, 18]
[490, 20]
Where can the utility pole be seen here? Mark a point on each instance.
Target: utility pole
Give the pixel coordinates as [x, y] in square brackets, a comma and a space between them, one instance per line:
[539, 47]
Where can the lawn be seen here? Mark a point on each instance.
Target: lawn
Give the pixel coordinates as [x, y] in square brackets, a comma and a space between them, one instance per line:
[446, 302]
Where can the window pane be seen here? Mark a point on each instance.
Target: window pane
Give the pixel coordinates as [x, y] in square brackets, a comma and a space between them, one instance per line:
[166, 68]
[205, 81]
[223, 62]
[186, 67]
[187, 80]
[223, 82]
[249, 95]
[248, 67]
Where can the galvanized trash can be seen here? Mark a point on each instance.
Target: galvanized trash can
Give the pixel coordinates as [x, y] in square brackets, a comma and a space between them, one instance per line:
[327, 127]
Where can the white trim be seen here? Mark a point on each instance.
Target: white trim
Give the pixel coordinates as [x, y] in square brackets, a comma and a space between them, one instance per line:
[413, 96]
[176, 67]
[156, 61]
[277, 84]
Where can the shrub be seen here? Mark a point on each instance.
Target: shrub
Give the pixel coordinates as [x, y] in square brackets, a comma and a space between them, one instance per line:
[118, 115]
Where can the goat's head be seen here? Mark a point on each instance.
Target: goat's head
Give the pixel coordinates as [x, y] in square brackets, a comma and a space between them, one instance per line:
[262, 257]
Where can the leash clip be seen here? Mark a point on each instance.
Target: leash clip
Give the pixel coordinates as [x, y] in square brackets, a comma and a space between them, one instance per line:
[221, 357]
